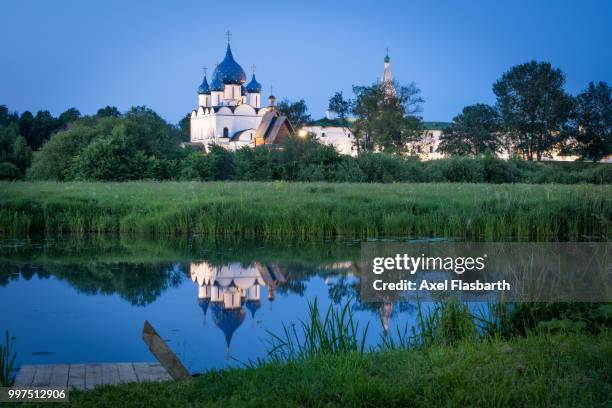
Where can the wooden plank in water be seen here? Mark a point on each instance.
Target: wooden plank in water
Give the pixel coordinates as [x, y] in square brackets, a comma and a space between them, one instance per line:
[126, 373]
[42, 377]
[25, 376]
[163, 353]
[76, 376]
[59, 375]
[93, 376]
[147, 372]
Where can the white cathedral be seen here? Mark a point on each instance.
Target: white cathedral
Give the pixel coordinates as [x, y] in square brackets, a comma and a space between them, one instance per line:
[229, 112]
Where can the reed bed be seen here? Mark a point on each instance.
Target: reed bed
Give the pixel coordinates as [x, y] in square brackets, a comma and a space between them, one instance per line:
[303, 210]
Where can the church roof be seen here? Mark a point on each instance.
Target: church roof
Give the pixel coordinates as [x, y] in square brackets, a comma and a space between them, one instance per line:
[204, 89]
[274, 128]
[229, 71]
[253, 86]
[216, 84]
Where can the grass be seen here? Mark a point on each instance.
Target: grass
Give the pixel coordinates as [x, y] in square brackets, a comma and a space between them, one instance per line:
[335, 332]
[303, 210]
[7, 363]
[543, 370]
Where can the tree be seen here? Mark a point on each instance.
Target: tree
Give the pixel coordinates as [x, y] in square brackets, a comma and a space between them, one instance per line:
[8, 171]
[7, 117]
[592, 122]
[385, 118]
[534, 107]
[69, 116]
[51, 162]
[108, 111]
[8, 135]
[339, 105]
[21, 154]
[296, 112]
[473, 132]
[26, 122]
[185, 128]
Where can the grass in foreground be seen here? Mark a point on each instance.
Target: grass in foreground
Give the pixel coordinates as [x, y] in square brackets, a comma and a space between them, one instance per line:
[542, 370]
[300, 210]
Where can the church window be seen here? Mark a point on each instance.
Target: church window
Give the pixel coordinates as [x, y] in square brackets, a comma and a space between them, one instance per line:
[322, 134]
[225, 132]
[430, 149]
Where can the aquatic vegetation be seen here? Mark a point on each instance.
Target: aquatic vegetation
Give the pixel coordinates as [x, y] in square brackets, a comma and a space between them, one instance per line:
[335, 332]
[307, 210]
[7, 363]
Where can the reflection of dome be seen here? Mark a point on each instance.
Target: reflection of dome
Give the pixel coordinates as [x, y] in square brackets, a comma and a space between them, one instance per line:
[253, 306]
[204, 306]
[227, 320]
[229, 71]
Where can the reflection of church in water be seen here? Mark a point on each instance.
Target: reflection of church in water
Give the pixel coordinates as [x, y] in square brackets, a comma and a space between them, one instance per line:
[227, 290]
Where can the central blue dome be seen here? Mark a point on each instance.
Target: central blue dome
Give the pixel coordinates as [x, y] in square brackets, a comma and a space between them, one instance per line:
[229, 71]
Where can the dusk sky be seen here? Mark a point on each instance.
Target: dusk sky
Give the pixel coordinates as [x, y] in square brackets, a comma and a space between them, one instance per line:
[59, 54]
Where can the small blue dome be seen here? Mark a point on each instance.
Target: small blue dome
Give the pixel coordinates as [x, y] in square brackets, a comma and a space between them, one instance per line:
[204, 89]
[216, 85]
[229, 71]
[253, 86]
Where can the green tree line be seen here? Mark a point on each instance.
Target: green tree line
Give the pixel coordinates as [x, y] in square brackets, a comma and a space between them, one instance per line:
[533, 117]
[533, 113]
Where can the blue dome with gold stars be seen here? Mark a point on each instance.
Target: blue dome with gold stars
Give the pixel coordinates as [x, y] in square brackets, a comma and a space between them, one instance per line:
[229, 71]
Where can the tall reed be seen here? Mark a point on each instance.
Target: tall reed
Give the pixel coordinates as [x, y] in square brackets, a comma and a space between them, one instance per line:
[7, 363]
[335, 332]
[304, 210]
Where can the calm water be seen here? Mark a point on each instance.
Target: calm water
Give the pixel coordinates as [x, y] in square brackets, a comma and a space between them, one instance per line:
[77, 301]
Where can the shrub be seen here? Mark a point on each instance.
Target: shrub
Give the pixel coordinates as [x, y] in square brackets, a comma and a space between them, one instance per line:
[8, 171]
[461, 169]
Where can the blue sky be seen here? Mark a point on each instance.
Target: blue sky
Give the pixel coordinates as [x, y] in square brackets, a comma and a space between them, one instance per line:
[59, 54]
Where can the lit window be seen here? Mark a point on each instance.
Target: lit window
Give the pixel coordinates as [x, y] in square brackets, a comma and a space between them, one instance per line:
[322, 134]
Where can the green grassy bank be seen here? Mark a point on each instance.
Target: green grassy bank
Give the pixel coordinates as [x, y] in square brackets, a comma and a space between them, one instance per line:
[543, 370]
[300, 210]
[278, 209]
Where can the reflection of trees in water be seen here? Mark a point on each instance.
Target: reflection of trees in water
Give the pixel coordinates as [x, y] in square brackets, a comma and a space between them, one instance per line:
[138, 283]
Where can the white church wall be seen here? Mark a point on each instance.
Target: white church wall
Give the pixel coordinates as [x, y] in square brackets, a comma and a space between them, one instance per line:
[339, 137]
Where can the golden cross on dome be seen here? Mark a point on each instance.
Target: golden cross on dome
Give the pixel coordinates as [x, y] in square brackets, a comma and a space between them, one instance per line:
[228, 34]
[205, 68]
[253, 67]
[271, 93]
[387, 51]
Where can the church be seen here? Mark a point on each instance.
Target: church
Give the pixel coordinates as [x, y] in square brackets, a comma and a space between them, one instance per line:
[230, 112]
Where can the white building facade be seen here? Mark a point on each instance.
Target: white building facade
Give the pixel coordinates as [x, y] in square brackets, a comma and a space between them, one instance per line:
[228, 112]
